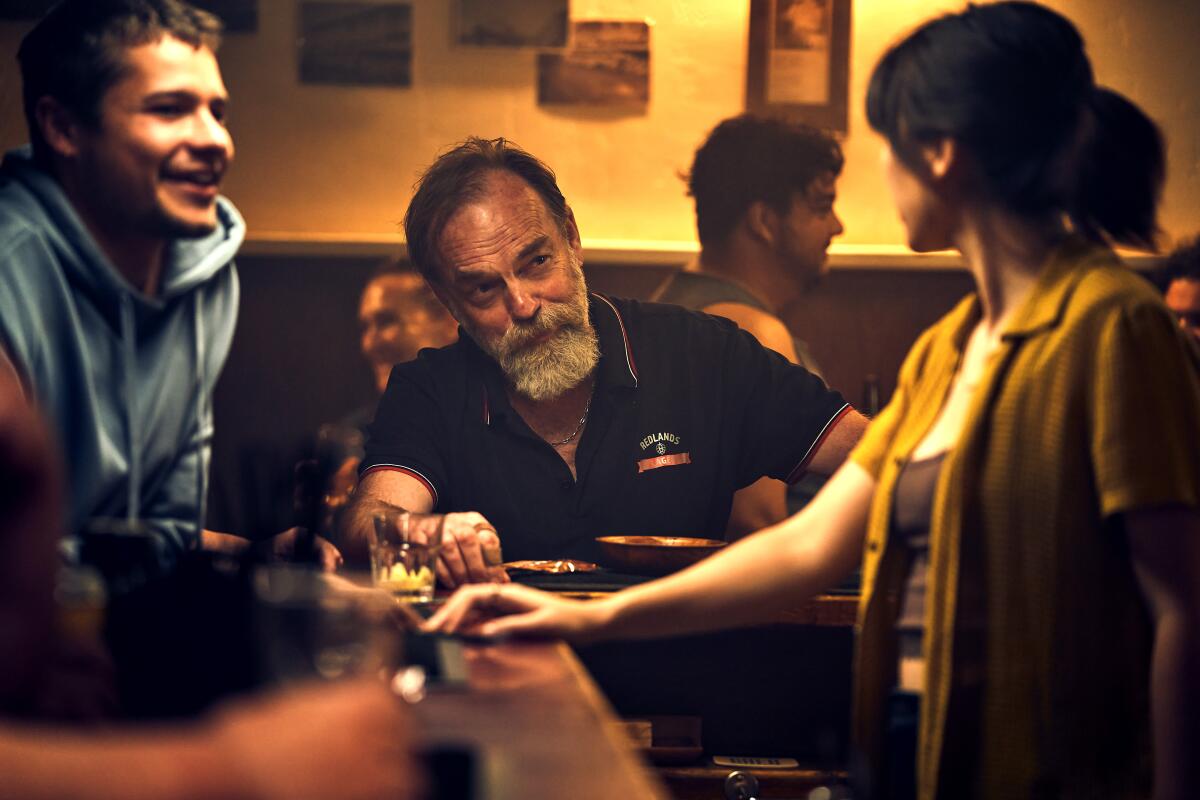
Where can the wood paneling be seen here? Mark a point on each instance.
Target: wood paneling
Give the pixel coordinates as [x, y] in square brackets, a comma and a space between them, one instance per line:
[863, 322]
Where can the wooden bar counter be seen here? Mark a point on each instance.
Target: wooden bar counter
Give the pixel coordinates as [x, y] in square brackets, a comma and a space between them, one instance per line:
[781, 689]
[539, 726]
[828, 610]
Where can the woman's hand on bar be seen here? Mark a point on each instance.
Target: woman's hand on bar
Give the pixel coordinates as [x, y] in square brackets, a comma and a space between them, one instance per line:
[513, 610]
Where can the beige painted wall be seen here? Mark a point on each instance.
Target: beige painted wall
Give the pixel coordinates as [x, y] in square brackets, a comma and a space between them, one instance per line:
[339, 162]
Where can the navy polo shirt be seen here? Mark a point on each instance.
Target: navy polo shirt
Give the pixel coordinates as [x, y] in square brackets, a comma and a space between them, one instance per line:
[687, 409]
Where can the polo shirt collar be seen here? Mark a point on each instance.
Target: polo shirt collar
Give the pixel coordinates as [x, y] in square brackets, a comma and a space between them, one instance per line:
[1065, 267]
[1047, 303]
[617, 367]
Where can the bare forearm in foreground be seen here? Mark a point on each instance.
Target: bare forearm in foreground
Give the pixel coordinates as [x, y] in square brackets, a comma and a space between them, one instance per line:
[347, 739]
[41, 763]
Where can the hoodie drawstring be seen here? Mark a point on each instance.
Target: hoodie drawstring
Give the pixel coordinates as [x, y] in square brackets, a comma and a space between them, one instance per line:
[203, 414]
[129, 343]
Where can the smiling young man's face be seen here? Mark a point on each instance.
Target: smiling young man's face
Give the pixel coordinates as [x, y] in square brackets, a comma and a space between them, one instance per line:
[152, 164]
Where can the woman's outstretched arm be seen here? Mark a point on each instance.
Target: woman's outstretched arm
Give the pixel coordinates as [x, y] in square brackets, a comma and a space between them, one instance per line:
[746, 583]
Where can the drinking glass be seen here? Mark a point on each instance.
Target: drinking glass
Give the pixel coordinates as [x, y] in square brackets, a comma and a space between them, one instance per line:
[308, 626]
[404, 555]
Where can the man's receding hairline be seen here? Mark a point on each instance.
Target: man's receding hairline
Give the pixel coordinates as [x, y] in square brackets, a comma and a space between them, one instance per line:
[488, 186]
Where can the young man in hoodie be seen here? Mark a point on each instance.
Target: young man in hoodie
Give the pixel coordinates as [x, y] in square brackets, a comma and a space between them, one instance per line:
[118, 295]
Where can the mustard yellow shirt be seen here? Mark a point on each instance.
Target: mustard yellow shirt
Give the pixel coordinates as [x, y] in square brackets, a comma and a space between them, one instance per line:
[1037, 643]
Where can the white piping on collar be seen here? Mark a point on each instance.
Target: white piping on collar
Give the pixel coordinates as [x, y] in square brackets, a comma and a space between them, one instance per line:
[624, 335]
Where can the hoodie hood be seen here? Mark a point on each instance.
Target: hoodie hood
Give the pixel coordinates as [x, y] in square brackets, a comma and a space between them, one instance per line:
[189, 262]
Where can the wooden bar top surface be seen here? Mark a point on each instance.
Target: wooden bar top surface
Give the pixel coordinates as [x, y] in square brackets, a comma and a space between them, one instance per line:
[837, 610]
[539, 725]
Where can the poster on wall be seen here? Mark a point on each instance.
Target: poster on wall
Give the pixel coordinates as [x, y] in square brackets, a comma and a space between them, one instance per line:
[238, 16]
[356, 44]
[799, 61]
[608, 64]
[513, 23]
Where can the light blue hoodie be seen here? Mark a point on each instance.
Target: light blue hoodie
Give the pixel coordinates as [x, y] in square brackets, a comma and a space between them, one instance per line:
[126, 380]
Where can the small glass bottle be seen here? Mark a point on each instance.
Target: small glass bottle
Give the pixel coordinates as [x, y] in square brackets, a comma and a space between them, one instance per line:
[870, 395]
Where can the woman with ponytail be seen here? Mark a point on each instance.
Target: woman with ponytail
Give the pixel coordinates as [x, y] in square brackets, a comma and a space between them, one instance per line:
[1030, 616]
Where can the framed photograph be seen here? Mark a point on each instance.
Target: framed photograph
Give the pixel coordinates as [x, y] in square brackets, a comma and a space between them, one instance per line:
[799, 61]
[513, 23]
[356, 44]
[608, 64]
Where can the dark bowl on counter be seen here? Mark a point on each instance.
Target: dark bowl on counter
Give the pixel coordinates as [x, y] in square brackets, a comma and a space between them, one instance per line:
[654, 555]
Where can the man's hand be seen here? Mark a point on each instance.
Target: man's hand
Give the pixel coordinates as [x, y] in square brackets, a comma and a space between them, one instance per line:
[283, 547]
[470, 548]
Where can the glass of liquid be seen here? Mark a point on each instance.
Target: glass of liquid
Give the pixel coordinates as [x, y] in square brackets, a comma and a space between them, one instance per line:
[404, 551]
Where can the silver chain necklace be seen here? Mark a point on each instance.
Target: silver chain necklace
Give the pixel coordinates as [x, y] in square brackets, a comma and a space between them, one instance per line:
[578, 427]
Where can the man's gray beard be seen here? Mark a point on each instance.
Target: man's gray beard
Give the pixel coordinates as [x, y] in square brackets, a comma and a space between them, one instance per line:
[545, 371]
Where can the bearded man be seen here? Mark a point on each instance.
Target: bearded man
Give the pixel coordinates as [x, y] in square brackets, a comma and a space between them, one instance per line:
[563, 415]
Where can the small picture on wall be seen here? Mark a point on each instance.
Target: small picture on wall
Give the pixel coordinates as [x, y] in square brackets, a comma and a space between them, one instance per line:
[799, 60]
[513, 23]
[238, 16]
[356, 44]
[608, 64]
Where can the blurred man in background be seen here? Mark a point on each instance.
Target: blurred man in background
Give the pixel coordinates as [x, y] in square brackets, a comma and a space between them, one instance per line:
[399, 315]
[1181, 285]
[764, 192]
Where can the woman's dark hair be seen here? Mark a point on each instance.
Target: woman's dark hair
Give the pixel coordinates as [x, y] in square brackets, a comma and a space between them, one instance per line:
[1012, 83]
[457, 178]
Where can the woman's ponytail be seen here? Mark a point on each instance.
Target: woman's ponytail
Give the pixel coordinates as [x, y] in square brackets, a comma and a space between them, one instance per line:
[1121, 168]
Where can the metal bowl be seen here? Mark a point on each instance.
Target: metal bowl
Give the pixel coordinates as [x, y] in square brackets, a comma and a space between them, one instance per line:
[654, 555]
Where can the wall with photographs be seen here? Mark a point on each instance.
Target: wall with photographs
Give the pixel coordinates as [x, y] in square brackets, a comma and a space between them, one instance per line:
[335, 162]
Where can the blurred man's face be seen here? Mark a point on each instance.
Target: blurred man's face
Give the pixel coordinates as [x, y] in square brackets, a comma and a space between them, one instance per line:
[152, 165]
[1183, 298]
[515, 283]
[809, 226]
[396, 323]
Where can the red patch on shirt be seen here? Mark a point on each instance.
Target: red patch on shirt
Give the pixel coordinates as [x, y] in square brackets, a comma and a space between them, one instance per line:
[674, 459]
